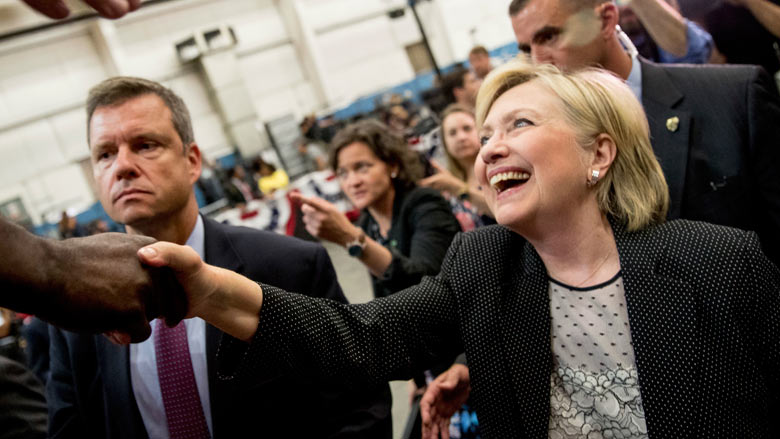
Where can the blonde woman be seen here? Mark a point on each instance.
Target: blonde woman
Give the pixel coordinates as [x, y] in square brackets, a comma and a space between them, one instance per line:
[457, 180]
[581, 314]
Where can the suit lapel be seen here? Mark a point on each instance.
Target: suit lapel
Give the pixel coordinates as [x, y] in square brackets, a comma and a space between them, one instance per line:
[213, 336]
[114, 369]
[219, 251]
[670, 130]
[526, 337]
[219, 248]
[662, 312]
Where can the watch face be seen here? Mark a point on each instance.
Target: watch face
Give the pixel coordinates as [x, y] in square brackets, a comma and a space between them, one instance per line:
[355, 250]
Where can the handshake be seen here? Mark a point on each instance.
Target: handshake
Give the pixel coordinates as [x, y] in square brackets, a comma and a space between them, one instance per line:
[116, 283]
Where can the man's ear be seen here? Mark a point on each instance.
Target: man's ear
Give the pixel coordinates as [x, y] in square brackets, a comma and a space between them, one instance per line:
[195, 161]
[604, 153]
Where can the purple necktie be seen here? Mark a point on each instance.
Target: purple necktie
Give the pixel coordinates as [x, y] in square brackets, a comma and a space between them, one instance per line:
[177, 383]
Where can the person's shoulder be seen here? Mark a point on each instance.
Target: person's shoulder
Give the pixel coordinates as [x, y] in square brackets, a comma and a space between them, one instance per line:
[494, 231]
[283, 261]
[421, 200]
[489, 240]
[419, 193]
[697, 228]
[694, 73]
[698, 243]
[259, 240]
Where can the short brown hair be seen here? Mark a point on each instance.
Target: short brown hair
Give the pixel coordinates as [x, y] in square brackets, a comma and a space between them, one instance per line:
[386, 145]
[479, 50]
[452, 80]
[120, 89]
[518, 5]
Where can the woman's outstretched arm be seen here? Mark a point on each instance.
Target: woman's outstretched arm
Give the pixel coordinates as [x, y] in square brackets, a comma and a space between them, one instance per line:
[227, 300]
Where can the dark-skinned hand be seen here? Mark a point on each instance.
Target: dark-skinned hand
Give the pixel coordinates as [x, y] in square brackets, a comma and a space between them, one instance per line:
[57, 9]
[101, 286]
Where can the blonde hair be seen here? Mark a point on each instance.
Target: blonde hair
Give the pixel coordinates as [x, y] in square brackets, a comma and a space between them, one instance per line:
[452, 164]
[596, 102]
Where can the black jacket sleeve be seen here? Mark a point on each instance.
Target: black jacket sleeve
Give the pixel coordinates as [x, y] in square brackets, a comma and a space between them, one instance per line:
[65, 419]
[386, 339]
[765, 277]
[22, 405]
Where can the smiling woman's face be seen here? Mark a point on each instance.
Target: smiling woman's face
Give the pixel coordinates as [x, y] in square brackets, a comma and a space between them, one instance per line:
[460, 137]
[530, 164]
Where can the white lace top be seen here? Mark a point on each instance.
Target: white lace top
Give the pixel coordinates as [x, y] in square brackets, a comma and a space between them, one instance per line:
[595, 392]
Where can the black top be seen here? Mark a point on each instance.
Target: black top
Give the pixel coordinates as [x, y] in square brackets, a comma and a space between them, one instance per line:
[703, 305]
[420, 234]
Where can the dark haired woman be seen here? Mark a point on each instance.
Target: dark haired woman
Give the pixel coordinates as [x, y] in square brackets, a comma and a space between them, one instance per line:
[403, 231]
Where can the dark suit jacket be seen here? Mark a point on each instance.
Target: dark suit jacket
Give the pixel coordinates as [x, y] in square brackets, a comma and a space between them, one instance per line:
[703, 306]
[721, 160]
[90, 393]
[22, 404]
[421, 232]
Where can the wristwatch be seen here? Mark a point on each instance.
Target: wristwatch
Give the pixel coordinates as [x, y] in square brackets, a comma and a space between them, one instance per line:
[355, 247]
[463, 194]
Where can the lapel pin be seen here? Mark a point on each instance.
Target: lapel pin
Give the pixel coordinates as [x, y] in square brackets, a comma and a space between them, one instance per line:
[673, 123]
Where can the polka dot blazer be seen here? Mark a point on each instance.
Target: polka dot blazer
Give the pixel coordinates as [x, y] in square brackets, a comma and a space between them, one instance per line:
[703, 305]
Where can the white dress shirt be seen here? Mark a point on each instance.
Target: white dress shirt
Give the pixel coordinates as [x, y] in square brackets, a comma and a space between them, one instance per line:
[634, 80]
[143, 364]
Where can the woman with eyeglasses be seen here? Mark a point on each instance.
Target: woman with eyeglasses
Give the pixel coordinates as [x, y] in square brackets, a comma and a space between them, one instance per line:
[403, 231]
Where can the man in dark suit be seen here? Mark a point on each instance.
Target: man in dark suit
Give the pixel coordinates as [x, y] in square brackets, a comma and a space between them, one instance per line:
[714, 129]
[145, 162]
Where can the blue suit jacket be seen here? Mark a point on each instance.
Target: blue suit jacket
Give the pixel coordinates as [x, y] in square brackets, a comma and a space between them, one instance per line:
[90, 394]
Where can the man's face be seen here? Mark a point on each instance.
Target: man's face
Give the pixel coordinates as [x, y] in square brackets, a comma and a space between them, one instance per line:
[142, 171]
[553, 33]
[480, 62]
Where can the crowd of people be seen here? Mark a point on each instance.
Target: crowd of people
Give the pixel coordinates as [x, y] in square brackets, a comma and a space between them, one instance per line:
[592, 254]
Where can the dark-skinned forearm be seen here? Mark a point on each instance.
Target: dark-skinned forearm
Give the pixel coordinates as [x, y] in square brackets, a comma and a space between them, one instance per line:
[25, 263]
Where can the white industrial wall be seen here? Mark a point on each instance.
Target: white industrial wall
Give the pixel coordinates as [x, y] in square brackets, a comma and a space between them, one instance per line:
[356, 49]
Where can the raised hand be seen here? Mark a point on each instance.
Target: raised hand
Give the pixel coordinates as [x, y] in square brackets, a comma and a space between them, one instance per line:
[444, 396]
[323, 220]
[57, 9]
[443, 180]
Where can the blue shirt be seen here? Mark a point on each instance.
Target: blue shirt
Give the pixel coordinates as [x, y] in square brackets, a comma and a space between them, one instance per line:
[699, 47]
[143, 364]
[634, 80]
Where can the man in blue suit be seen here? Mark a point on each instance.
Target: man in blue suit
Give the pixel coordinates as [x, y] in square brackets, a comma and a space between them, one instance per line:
[145, 161]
